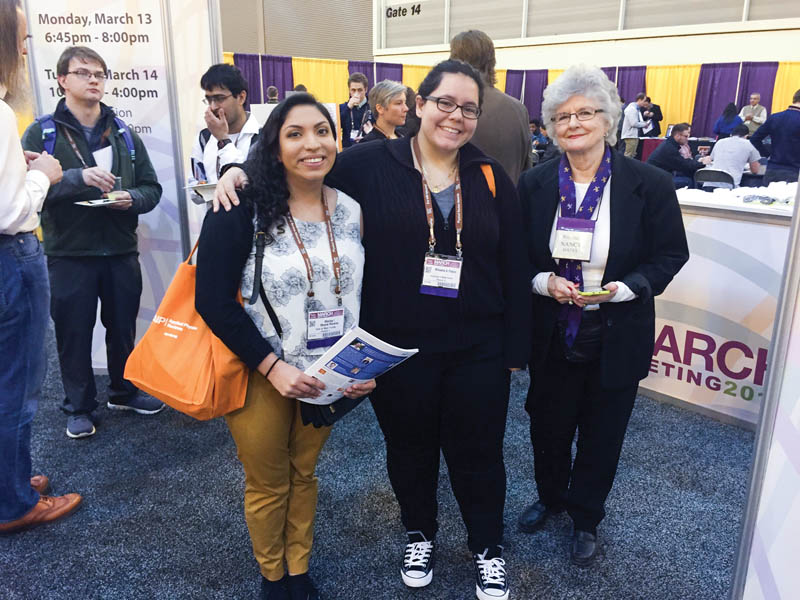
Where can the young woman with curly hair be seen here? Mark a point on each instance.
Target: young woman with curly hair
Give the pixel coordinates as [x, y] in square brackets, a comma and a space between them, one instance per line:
[287, 202]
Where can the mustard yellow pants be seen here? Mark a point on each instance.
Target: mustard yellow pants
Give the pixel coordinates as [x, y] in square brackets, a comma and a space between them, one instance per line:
[631, 146]
[279, 455]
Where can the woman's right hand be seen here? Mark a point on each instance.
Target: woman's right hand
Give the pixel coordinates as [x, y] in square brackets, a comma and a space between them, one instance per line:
[562, 290]
[291, 382]
[48, 165]
[225, 192]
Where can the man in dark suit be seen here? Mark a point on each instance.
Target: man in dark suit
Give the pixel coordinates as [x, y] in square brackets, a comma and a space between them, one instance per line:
[674, 156]
[653, 112]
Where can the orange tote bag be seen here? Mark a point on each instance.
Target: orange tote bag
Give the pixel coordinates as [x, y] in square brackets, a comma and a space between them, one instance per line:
[181, 362]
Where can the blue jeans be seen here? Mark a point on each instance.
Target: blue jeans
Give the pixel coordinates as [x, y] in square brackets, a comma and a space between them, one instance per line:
[24, 301]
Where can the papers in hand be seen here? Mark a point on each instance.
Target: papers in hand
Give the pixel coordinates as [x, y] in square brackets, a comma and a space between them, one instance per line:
[203, 192]
[357, 356]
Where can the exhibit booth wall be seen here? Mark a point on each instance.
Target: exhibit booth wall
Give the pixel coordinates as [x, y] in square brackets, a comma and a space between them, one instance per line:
[156, 52]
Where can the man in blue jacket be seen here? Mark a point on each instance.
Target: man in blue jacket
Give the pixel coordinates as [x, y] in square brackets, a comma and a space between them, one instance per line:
[92, 250]
[784, 129]
[352, 112]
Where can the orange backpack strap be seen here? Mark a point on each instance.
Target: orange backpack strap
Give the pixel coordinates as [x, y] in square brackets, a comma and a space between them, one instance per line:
[489, 175]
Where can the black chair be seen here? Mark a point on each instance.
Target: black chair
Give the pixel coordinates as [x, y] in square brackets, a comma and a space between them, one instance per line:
[716, 176]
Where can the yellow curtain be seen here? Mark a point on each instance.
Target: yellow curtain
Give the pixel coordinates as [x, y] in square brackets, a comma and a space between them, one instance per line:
[326, 79]
[553, 74]
[674, 89]
[414, 74]
[787, 82]
[501, 79]
[227, 58]
[24, 118]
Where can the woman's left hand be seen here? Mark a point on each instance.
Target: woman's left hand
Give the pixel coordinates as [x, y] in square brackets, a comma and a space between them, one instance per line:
[360, 389]
[584, 300]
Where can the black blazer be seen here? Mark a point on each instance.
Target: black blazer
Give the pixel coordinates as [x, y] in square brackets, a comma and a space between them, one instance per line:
[647, 248]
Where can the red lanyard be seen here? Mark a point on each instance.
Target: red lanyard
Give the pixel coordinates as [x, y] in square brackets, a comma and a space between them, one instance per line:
[337, 269]
[459, 206]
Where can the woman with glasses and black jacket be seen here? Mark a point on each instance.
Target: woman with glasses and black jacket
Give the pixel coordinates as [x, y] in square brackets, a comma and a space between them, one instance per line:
[447, 272]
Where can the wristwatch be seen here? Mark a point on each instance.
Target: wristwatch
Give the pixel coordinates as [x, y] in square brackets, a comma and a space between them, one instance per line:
[222, 143]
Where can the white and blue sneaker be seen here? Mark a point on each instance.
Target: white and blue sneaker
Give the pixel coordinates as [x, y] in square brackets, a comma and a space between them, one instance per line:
[138, 403]
[490, 574]
[417, 570]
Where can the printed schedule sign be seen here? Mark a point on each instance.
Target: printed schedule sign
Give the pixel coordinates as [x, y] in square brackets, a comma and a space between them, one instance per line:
[129, 35]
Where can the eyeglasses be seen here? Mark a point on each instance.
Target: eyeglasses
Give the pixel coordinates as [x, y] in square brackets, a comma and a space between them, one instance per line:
[583, 114]
[469, 111]
[87, 75]
[218, 99]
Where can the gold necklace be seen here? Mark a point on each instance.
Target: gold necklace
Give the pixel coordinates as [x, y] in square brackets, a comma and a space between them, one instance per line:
[438, 188]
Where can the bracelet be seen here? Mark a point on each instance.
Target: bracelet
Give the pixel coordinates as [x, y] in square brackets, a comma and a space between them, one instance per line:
[271, 367]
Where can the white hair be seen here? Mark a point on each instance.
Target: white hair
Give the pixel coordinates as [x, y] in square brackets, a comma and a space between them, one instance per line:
[588, 81]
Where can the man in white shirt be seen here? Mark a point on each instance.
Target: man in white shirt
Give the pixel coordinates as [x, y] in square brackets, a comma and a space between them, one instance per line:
[230, 129]
[731, 154]
[753, 114]
[632, 122]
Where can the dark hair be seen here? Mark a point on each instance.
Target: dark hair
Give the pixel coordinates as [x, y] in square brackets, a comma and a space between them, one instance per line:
[740, 130]
[729, 111]
[225, 76]
[477, 49]
[358, 78]
[267, 192]
[641, 96]
[272, 92]
[300, 88]
[536, 122]
[434, 77]
[82, 53]
[796, 97]
[680, 128]
[10, 59]
[411, 127]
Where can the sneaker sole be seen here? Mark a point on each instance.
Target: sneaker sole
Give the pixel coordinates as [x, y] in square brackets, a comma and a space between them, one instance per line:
[417, 582]
[140, 411]
[484, 596]
[77, 436]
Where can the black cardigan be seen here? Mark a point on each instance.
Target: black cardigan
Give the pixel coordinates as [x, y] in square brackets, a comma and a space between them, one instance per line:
[494, 296]
[646, 250]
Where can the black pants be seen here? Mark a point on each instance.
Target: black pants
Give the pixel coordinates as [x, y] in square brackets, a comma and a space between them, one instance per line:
[456, 402]
[75, 285]
[564, 397]
[778, 174]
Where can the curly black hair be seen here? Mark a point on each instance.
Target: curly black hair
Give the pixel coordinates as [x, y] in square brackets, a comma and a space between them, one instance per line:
[267, 193]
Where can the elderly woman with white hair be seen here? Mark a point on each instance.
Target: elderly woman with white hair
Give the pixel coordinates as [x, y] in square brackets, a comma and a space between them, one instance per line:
[387, 101]
[605, 237]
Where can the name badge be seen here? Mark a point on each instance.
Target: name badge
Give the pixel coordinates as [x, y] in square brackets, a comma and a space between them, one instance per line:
[441, 275]
[325, 327]
[573, 239]
[353, 134]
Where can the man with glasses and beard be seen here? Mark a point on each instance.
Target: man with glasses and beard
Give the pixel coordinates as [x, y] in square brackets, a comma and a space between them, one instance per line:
[90, 238]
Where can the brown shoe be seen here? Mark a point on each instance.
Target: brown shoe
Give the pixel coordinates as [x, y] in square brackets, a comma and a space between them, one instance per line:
[49, 508]
[40, 483]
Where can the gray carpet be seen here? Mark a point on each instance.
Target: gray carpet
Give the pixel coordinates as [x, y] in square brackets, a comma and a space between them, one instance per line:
[162, 515]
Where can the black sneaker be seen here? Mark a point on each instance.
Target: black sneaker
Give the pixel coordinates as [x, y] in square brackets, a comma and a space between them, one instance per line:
[138, 403]
[418, 561]
[274, 590]
[80, 426]
[301, 587]
[490, 574]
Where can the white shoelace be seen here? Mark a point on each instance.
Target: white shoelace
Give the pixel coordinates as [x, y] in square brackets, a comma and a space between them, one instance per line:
[417, 554]
[493, 570]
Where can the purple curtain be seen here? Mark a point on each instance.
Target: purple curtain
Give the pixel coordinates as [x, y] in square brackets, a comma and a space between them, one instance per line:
[391, 71]
[514, 79]
[716, 87]
[277, 71]
[631, 81]
[367, 67]
[535, 82]
[757, 77]
[611, 73]
[248, 65]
